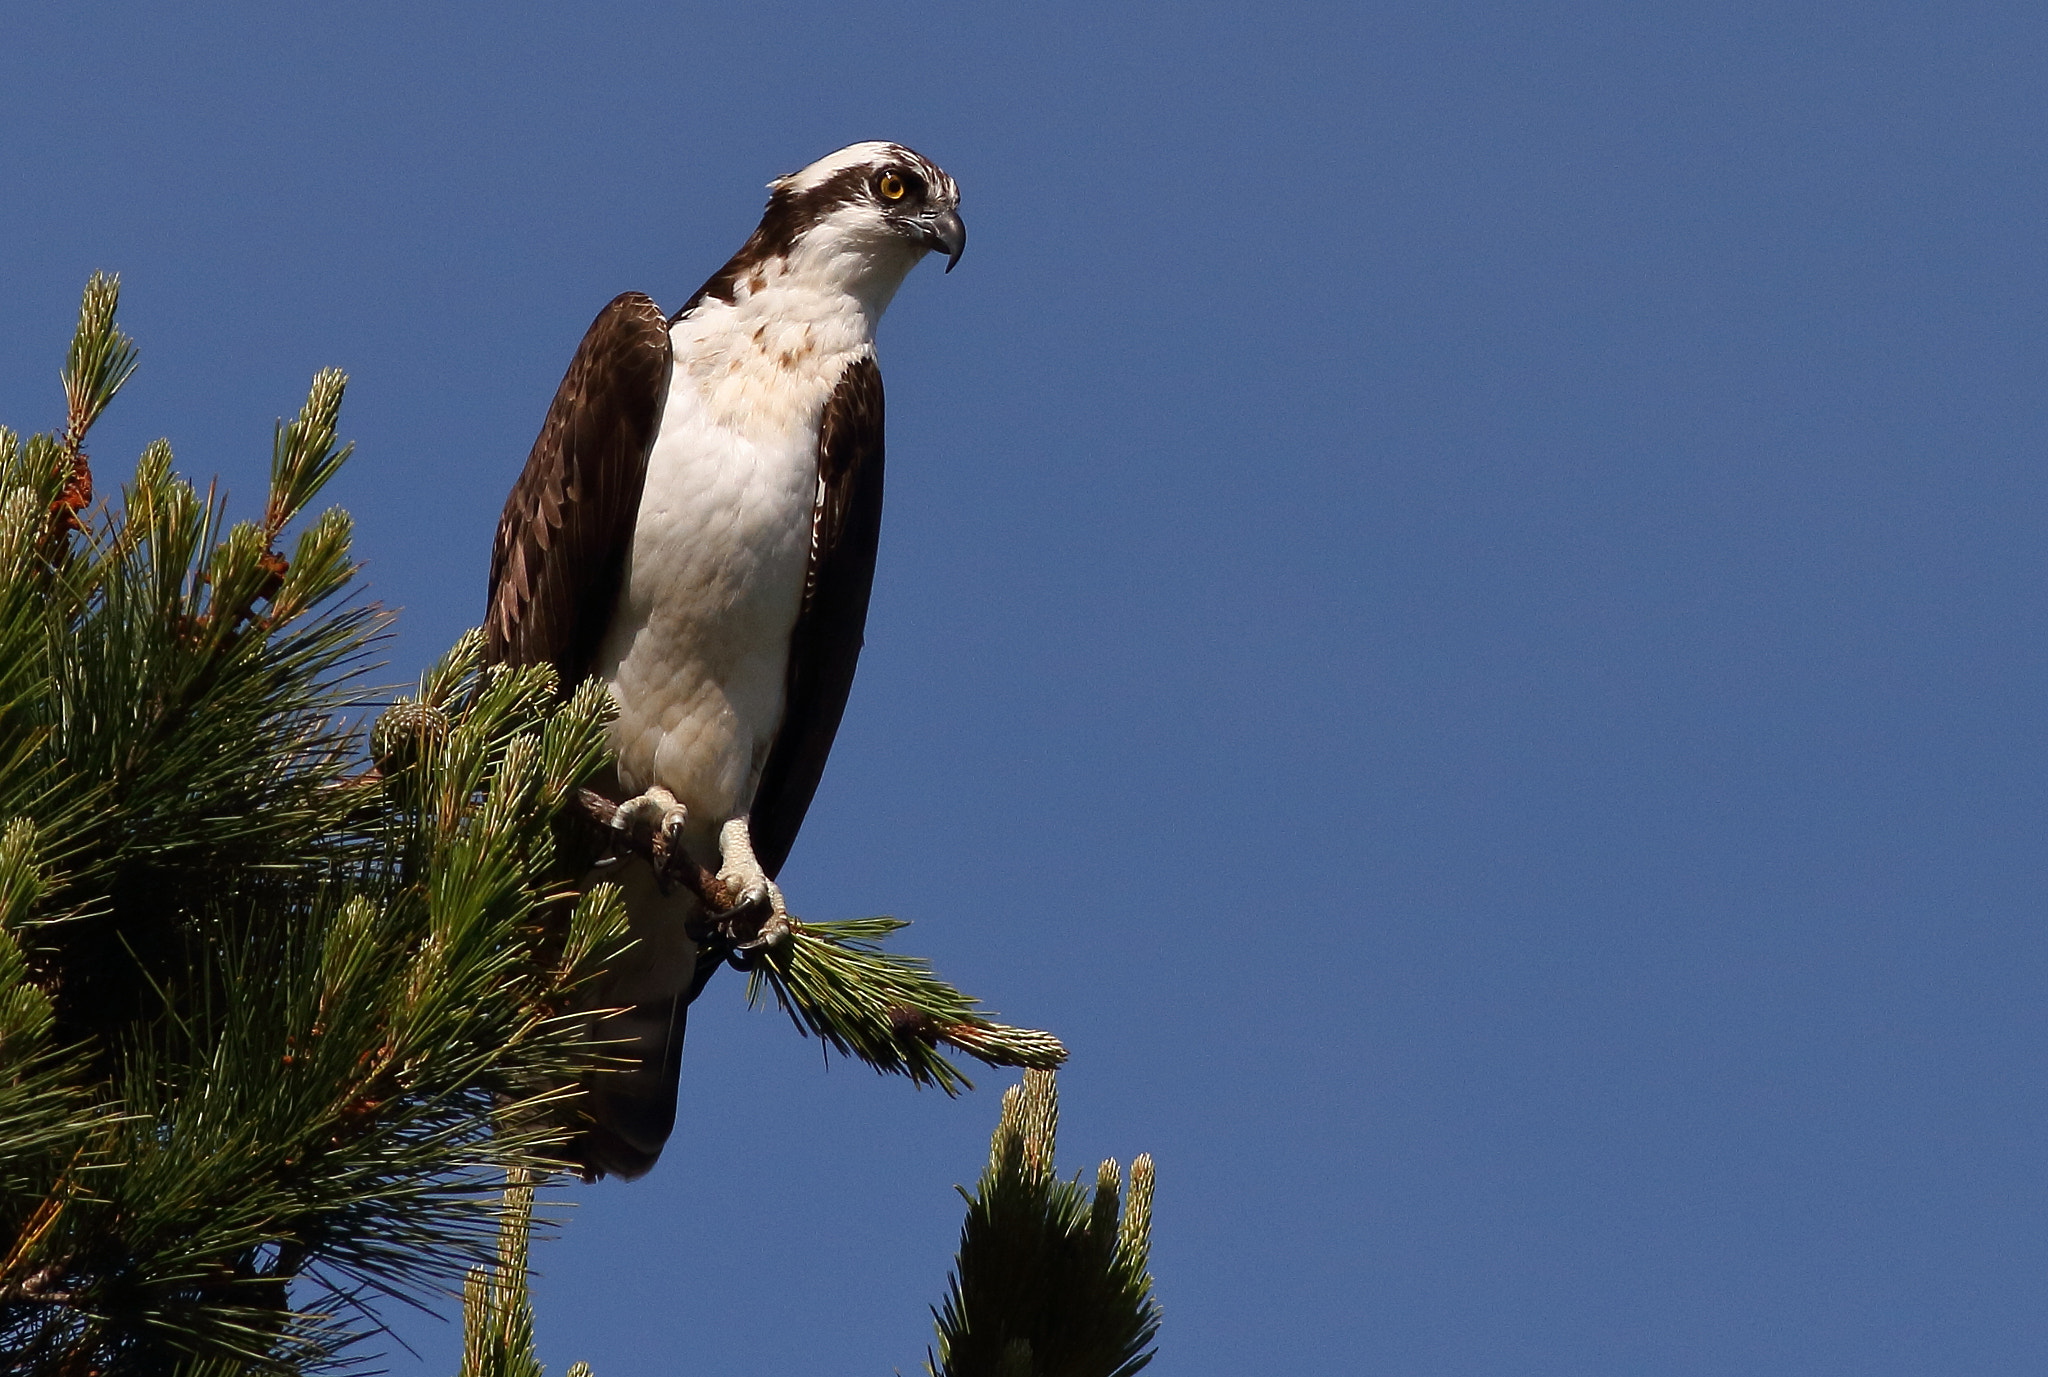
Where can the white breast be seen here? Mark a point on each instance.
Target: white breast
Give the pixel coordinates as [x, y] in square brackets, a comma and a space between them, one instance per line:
[698, 651]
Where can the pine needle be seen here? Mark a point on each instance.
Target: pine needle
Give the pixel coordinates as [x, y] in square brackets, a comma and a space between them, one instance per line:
[1048, 1279]
[836, 982]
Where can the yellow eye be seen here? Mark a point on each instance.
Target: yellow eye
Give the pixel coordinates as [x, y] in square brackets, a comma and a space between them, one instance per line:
[891, 187]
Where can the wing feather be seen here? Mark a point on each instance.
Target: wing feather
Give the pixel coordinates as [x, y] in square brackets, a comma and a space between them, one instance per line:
[846, 527]
[566, 530]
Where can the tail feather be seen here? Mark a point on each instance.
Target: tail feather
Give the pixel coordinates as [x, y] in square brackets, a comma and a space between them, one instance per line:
[627, 1111]
[632, 1110]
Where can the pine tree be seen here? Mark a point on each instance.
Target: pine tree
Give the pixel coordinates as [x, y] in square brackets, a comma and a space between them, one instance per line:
[273, 1023]
[287, 993]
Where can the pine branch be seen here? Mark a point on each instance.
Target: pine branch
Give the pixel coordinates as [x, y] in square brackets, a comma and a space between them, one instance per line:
[1048, 1282]
[305, 454]
[100, 361]
[497, 1306]
[890, 1011]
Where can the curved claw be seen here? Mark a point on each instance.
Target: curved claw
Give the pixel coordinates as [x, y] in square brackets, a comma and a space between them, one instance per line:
[774, 934]
[753, 925]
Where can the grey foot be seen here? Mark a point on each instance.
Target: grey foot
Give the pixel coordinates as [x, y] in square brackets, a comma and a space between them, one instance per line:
[757, 919]
[651, 825]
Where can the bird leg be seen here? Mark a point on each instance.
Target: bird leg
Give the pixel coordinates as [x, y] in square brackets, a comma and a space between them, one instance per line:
[756, 918]
[650, 825]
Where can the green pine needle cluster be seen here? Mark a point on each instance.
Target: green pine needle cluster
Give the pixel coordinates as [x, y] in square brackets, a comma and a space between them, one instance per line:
[497, 1306]
[890, 1011]
[272, 1025]
[1049, 1281]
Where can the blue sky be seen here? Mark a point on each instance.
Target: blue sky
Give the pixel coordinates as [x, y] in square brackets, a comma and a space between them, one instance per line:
[1461, 612]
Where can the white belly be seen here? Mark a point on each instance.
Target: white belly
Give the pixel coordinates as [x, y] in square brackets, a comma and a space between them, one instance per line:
[697, 654]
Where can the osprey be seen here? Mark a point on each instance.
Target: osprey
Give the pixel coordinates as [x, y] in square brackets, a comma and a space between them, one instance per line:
[696, 526]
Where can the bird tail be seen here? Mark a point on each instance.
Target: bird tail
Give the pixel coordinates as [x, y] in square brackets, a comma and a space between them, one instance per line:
[640, 1008]
[628, 1112]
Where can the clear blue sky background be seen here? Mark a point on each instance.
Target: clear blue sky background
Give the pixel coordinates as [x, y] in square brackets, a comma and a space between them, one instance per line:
[1461, 612]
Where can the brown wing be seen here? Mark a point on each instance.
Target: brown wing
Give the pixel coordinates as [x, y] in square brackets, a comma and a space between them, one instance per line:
[845, 527]
[563, 539]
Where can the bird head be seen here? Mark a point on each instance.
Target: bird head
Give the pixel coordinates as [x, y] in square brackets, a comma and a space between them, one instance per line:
[877, 197]
[853, 222]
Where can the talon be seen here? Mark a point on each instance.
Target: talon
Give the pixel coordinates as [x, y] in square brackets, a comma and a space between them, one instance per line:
[758, 907]
[651, 825]
[774, 935]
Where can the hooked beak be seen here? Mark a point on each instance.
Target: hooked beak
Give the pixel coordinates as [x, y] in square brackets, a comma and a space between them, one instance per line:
[945, 231]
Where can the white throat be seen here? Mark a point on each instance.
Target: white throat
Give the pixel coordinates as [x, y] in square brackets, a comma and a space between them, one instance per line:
[766, 361]
[849, 253]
